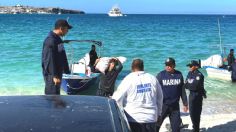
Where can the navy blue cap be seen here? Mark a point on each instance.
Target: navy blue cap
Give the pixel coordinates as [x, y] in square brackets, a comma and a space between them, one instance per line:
[193, 63]
[170, 61]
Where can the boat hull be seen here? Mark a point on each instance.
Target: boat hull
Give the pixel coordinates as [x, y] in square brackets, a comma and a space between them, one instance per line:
[218, 73]
[74, 84]
[115, 15]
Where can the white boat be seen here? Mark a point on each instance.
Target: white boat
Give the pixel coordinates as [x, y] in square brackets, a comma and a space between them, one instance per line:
[218, 73]
[213, 66]
[115, 12]
[214, 63]
[78, 80]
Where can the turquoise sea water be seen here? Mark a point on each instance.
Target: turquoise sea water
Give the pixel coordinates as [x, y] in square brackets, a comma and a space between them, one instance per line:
[150, 37]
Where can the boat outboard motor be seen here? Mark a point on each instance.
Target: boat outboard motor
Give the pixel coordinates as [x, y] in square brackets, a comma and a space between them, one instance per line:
[233, 74]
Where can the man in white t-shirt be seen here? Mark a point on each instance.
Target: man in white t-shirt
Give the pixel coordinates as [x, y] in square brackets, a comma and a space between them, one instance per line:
[141, 96]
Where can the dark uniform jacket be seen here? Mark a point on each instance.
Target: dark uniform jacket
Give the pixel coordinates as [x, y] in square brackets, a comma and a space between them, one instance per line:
[233, 75]
[230, 59]
[195, 82]
[107, 80]
[54, 60]
[172, 87]
[93, 56]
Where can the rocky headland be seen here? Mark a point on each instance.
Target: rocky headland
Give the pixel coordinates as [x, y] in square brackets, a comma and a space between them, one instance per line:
[20, 9]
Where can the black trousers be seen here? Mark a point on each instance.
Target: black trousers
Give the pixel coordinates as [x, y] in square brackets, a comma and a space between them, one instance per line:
[101, 92]
[233, 80]
[142, 127]
[50, 87]
[174, 115]
[195, 109]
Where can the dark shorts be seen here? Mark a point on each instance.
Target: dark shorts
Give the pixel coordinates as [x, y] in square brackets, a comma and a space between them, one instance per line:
[50, 87]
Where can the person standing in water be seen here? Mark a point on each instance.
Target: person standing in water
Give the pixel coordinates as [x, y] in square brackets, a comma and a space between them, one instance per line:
[230, 57]
[108, 78]
[93, 57]
[54, 59]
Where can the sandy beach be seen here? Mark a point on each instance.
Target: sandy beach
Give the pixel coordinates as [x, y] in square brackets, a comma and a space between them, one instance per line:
[209, 123]
[215, 118]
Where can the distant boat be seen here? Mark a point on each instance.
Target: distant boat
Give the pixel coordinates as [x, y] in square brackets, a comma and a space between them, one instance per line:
[115, 12]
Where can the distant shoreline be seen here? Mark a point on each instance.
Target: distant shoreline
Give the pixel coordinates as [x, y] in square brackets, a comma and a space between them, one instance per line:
[223, 15]
[20, 9]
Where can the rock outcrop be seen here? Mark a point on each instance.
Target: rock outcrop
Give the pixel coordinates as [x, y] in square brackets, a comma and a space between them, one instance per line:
[20, 9]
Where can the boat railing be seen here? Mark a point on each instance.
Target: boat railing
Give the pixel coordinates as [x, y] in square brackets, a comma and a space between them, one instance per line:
[98, 43]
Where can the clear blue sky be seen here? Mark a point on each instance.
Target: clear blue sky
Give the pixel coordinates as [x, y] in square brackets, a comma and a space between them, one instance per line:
[137, 6]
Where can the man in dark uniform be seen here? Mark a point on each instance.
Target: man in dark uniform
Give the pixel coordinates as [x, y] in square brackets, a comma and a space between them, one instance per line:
[195, 83]
[93, 57]
[233, 74]
[231, 57]
[54, 60]
[108, 79]
[172, 82]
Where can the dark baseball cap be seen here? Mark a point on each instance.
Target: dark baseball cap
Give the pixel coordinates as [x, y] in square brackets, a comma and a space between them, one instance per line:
[170, 61]
[193, 63]
[231, 50]
[62, 23]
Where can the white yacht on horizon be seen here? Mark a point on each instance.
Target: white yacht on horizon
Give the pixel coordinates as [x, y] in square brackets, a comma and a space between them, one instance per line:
[115, 12]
